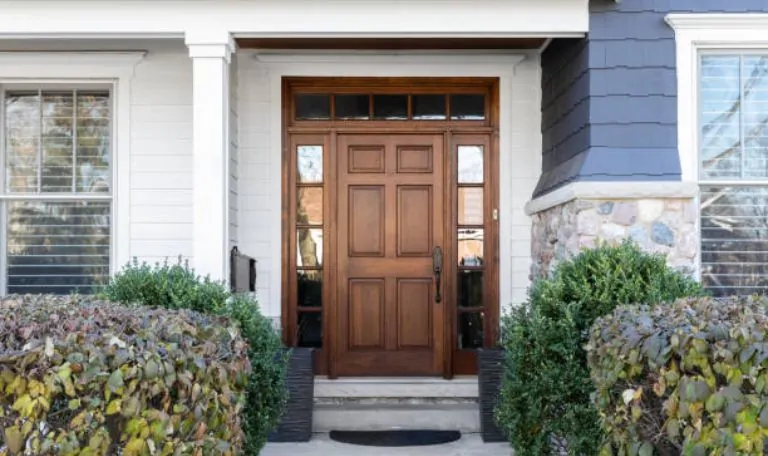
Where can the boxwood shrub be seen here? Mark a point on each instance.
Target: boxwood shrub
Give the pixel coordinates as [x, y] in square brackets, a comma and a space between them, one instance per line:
[177, 286]
[691, 378]
[91, 378]
[544, 406]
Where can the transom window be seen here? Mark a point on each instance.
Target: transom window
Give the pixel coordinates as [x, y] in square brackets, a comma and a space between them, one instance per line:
[390, 106]
[56, 189]
[733, 172]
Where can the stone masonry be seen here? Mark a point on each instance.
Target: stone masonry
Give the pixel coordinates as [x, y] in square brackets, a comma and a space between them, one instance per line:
[666, 226]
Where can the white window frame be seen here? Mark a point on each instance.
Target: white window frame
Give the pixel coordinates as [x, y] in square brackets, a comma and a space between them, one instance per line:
[696, 35]
[76, 70]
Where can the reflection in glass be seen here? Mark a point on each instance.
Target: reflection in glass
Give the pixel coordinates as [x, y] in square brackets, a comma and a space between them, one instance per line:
[470, 247]
[93, 142]
[310, 160]
[57, 247]
[309, 210]
[390, 107]
[470, 289]
[470, 330]
[470, 164]
[429, 107]
[467, 107]
[353, 107]
[470, 206]
[310, 288]
[754, 85]
[310, 329]
[734, 240]
[309, 247]
[313, 107]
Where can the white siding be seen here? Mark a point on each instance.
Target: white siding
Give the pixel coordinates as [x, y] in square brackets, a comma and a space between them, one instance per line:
[259, 165]
[256, 183]
[525, 167]
[161, 154]
[233, 154]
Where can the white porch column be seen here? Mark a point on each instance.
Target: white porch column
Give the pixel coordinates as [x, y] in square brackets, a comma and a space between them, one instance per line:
[211, 54]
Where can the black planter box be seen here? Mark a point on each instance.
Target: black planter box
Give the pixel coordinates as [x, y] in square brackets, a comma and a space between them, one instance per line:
[296, 422]
[490, 368]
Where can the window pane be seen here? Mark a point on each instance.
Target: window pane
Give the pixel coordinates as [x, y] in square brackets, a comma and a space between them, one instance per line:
[353, 107]
[720, 144]
[734, 238]
[310, 161]
[755, 116]
[470, 247]
[310, 206]
[429, 107]
[94, 125]
[57, 247]
[22, 141]
[310, 288]
[313, 107]
[390, 107]
[470, 330]
[470, 288]
[470, 164]
[310, 329]
[309, 247]
[467, 107]
[470, 206]
[57, 138]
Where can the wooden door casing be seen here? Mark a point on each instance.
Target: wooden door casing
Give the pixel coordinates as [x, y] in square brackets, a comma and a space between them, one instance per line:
[456, 358]
[390, 218]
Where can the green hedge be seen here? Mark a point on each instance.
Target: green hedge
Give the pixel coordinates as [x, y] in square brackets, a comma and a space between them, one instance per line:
[545, 395]
[176, 286]
[91, 378]
[691, 378]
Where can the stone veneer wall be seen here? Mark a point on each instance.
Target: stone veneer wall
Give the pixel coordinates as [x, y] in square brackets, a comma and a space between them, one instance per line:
[666, 226]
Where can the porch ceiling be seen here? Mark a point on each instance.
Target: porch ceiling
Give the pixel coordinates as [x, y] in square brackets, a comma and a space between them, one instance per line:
[390, 43]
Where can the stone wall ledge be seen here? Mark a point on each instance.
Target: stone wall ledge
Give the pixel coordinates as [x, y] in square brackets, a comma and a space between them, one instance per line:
[625, 190]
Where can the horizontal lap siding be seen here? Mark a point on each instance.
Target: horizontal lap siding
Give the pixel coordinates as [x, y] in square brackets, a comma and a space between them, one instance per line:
[257, 185]
[526, 162]
[161, 154]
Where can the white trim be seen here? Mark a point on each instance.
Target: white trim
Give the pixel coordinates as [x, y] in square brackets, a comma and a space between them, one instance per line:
[345, 65]
[211, 55]
[611, 191]
[279, 18]
[710, 21]
[73, 68]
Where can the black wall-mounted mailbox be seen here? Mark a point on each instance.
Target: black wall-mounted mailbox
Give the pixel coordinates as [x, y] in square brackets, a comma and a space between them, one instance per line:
[242, 272]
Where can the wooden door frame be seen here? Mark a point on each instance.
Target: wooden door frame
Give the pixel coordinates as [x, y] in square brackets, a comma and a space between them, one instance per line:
[456, 362]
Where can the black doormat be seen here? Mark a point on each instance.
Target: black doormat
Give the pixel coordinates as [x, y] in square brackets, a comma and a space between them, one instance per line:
[395, 438]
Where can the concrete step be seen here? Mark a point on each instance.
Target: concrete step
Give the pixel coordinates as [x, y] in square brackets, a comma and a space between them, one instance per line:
[396, 403]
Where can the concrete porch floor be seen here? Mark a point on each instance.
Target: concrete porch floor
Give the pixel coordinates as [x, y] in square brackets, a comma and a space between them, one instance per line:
[322, 445]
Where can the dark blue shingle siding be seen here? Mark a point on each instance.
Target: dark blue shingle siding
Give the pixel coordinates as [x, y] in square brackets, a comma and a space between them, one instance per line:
[609, 101]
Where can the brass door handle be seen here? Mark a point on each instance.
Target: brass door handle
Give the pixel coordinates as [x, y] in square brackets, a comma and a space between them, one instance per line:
[437, 268]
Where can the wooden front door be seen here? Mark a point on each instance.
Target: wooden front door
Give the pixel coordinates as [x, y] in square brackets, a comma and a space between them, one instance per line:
[377, 173]
[391, 220]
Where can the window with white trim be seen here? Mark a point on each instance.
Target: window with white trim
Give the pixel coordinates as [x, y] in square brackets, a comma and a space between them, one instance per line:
[733, 171]
[55, 197]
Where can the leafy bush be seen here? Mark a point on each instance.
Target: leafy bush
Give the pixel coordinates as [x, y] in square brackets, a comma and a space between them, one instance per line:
[545, 396]
[90, 378]
[691, 378]
[176, 286]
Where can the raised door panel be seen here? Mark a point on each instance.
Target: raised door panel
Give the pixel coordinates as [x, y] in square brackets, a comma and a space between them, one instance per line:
[414, 159]
[414, 220]
[366, 159]
[366, 220]
[414, 298]
[366, 313]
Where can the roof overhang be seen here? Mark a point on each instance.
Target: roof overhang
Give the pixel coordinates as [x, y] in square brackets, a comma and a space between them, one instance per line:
[295, 19]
